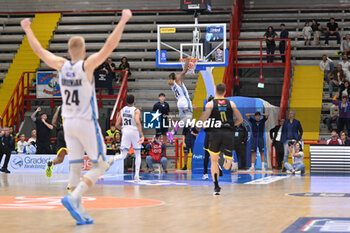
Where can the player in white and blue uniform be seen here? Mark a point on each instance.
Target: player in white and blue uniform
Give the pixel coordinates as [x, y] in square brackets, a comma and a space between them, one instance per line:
[132, 135]
[79, 109]
[184, 103]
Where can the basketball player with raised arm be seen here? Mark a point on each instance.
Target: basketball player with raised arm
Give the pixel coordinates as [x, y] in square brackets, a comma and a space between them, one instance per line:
[57, 121]
[221, 139]
[79, 109]
[129, 120]
[184, 103]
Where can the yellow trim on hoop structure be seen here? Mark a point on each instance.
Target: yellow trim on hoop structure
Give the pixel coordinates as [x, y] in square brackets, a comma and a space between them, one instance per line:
[167, 30]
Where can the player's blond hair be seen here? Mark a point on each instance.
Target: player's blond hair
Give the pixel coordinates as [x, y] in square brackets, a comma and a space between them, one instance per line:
[76, 45]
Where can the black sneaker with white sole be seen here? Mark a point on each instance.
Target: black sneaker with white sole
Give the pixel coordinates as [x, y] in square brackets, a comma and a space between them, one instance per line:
[217, 191]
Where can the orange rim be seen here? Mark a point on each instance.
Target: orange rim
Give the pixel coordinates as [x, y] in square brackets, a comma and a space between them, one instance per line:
[191, 59]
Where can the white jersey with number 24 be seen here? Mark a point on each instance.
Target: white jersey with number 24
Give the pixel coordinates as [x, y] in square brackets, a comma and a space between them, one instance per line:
[78, 93]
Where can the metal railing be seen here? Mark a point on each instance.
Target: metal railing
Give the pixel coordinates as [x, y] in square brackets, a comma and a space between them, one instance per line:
[121, 99]
[14, 111]
[235, 25]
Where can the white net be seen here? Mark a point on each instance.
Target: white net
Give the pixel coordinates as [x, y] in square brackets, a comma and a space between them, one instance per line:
[191, 65]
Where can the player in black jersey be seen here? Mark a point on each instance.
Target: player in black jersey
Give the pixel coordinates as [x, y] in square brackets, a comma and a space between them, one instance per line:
[57, 121]
[221, 136]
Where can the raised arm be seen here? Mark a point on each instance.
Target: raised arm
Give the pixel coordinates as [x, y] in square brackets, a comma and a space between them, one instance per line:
[266, 115]
[237, 114]
[139, 126]
[55, 117]
[49, 58]
[112, 41]
[118, 124]
[248, 115]
[33, 116]
[184, 71]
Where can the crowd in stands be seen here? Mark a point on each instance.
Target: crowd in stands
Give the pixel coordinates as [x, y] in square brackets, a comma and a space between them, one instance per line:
[108, 73]
[310, 29]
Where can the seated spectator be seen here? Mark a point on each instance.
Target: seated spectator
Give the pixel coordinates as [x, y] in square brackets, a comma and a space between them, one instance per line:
[307, 33]
[334, 140]
[111, 67]
[344, 63]
[297, 153]
[33, 138]
[344, 138]
[347, 74]
[344, 112]
[333, 117]
[345, 46]
[317, 29]
[335, 78]
[344, 89]
[270, 36]
[116, 143]
[11, 132]
[156, 153]
[124, 66]
[31, 148]
[103, 75]
[110, 137]
[21, 144]
[327, 66]
[332, 30]
[7, 145]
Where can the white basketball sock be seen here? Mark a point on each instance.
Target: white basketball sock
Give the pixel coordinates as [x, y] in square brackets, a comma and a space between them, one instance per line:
[122, 155]
[137, 162]
[80, 190]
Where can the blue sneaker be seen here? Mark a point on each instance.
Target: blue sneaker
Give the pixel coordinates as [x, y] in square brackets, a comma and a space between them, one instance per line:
[86, 218]
[76, 211]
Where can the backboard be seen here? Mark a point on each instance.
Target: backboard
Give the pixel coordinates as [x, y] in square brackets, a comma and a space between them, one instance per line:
[206, 42]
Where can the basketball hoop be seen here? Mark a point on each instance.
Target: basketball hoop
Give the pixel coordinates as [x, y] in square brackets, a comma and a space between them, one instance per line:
[191, 65]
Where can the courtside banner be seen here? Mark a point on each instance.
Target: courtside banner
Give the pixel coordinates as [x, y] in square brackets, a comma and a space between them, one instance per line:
[36, 164]
[47, 85]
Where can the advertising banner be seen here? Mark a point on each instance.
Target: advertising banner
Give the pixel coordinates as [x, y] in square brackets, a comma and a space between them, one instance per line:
[47, 85]
[36, 164]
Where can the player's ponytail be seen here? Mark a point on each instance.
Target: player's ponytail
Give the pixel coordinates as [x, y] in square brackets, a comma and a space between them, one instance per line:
[171, 80]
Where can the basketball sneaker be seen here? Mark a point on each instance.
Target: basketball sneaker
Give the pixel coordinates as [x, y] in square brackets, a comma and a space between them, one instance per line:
[263, 169]
[217, 191]
[205, 177]
[289, 172]
[76, 211]
[137, 179]
[48, 170]
[85, 216]
[251, 169]
[110, 162]
[297, 172]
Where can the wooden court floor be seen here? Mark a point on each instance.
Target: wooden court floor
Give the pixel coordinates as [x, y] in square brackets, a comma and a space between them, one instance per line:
[30, 203]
